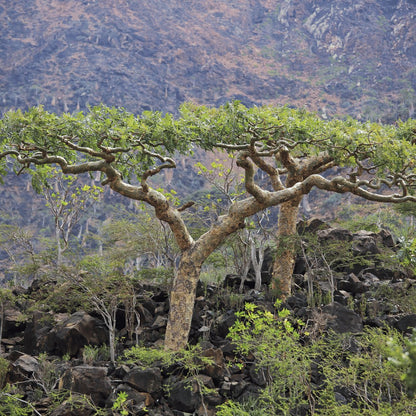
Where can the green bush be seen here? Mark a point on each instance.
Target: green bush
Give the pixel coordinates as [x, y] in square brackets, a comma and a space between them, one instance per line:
[273, 340]
[12, 404]
[4, 368]
[93, 353]
[404, 358]
[301, 374]
[360, 367]
[145, 357]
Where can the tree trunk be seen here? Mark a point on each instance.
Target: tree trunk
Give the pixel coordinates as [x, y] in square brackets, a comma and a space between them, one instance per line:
[285, 255]
[112, 342]
[59, 249]
[1, 326]
[182, 299]
[257, 263]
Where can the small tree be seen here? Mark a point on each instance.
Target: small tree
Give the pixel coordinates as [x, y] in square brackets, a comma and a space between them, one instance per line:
[105, 291]
[140, 237]
[5, 297]
[293, 148]
[19, 245]
[67, 201]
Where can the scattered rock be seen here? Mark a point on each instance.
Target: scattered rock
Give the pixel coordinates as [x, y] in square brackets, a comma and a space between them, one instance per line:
[406, 323]
[74, 333]
[216, 370]
[24, 367]
[91, 381]
[147, 380]
[341, 319]
[225, 378]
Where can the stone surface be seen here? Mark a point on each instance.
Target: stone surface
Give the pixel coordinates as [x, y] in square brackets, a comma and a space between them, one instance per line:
[406, 323]
[147, 380]
[136, 397]
[185, 394]
[23, 368]
[75, 332]
[92, 381]
[341, 319]
[216, 370]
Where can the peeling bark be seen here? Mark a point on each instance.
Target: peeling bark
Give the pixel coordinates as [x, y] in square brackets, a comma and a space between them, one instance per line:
[285, 257]
[182, 299]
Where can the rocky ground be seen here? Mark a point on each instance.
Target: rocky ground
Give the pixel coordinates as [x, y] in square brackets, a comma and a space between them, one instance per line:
[47, 352]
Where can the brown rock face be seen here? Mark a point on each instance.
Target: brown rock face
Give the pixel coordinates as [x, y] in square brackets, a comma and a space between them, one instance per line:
[344, 56]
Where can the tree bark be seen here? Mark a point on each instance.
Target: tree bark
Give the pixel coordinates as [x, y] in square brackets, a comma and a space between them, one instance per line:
[285, 256]
[182, 299]
[257, 262]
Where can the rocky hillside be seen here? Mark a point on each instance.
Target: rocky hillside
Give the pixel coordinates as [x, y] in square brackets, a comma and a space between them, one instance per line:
[340, 57]
[58, 361]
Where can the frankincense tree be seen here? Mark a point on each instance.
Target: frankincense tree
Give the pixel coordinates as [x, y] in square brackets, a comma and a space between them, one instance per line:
[291, 147]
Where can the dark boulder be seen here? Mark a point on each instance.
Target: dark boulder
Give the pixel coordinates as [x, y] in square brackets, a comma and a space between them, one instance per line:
[91, 381]
[22, 368]
[74, 333]
[352, 284]
[365, 244]
[185, 394]
[216, 369]
[148, 380]
[334, 234]
[406, 323]
[340, 319]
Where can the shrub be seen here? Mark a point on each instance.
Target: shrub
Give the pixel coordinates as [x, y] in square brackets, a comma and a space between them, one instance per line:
[273, 340]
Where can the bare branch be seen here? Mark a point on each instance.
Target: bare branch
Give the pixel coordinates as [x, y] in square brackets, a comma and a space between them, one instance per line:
[341, 185]
[9, 152]
[253, 189]
[316, 164]
[270, 170]
[103, 155]
[186, 206]
[168, 163]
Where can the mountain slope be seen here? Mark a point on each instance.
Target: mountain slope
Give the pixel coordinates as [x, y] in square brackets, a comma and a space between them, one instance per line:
[348, 57]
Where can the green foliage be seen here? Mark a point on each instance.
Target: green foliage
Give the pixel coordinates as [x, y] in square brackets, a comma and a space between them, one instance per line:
[348, 141]
[159, 275]
[47, 374]
[273, 340]
[368, 379]
[100, 128]
[189, 360]
[404, 358]
[138, 139]
[390, 296]
[407, 252]
[120, 404]
[75, 402]
[231, 408]
[12, 404]
[92, 353]
[146, 357]
[358, 366]
[4, 368]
